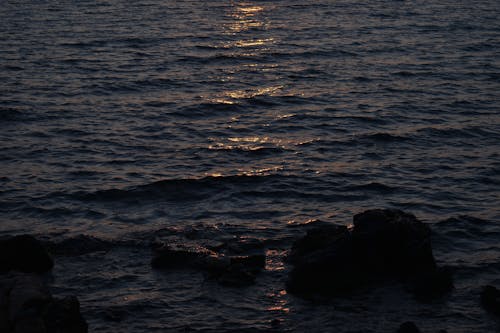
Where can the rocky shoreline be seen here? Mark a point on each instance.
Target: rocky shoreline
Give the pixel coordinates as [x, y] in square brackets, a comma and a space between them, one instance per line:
[381, 246]
[26, 305]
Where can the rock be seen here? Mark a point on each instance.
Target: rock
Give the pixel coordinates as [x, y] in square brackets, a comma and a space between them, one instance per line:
[254, 262]
[183, 254]
[63, 315]
[30, 325]
[5, 286]
[229, 264]
[432, 283]
[243, 246]
[236, 276]
[26, 306]
[27, 298]
[382, 244]
[390, 240]
[490, 299]
[316, 240]
[24, 254]
[324, 263]
[241, 271]
[408, 327]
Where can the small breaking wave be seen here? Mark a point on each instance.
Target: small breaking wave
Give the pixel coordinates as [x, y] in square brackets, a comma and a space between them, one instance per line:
[179, 189]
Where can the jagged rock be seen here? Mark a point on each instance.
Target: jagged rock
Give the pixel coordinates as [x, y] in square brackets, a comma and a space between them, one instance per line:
[229, 264]
[241, 271]
[316, 240]
[4, 307]
[26, 306]
[252, 262]
[490, 299]
[243, 245]
[24, 254]
[63, 315]
[381, 244]
[324, 262]
[27, 297]
[392, 240]
[408, 327]
[183, 254]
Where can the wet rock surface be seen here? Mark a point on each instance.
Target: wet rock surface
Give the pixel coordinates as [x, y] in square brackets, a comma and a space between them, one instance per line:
[411, 327]
[490, 299]
[231, 261]
[382, 244]
[27, 306]
[408, 327]
[24, 253]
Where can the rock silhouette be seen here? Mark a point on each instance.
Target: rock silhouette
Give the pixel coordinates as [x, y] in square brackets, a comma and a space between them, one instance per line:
[232, 263]
[490, 299]
[27, 306]
[382, 244]
[25, 254]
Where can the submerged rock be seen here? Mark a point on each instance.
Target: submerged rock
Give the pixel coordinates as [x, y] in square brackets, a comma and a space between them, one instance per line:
[490, 299]
[27, 306]
[63, 315]
[232, 264]
[408, 327]
[25, 254]
[181, 254]
[241, 271]
[381, 244]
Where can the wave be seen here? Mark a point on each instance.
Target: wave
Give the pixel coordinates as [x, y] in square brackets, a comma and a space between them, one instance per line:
[178, 189]
[325, 117]
[249, 150]
[309, 195]
[132, 42]
[324, 188]
[383, 137]
[373, 187]
[208, 109]
[264, 57]
[460, 133]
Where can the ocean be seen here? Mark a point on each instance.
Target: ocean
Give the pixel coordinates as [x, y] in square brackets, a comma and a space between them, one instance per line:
[247, 120]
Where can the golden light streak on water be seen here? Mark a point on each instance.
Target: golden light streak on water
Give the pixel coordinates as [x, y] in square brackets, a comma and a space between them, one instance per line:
[281, 304]
[243, 18]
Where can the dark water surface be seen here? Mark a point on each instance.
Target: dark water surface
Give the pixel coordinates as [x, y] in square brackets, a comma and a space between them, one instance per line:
[239, 118]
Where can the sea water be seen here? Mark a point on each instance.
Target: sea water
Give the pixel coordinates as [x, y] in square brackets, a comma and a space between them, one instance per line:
[244, 119]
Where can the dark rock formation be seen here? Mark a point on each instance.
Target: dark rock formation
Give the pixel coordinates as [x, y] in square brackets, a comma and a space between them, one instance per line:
[490, 299]
[381, 244]
[241, 270]
[392, 241]
[24, 254]
[408, 327]
[181, 254]
[27, 306]
[63, 315]
[432, 283]
[235, 263]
